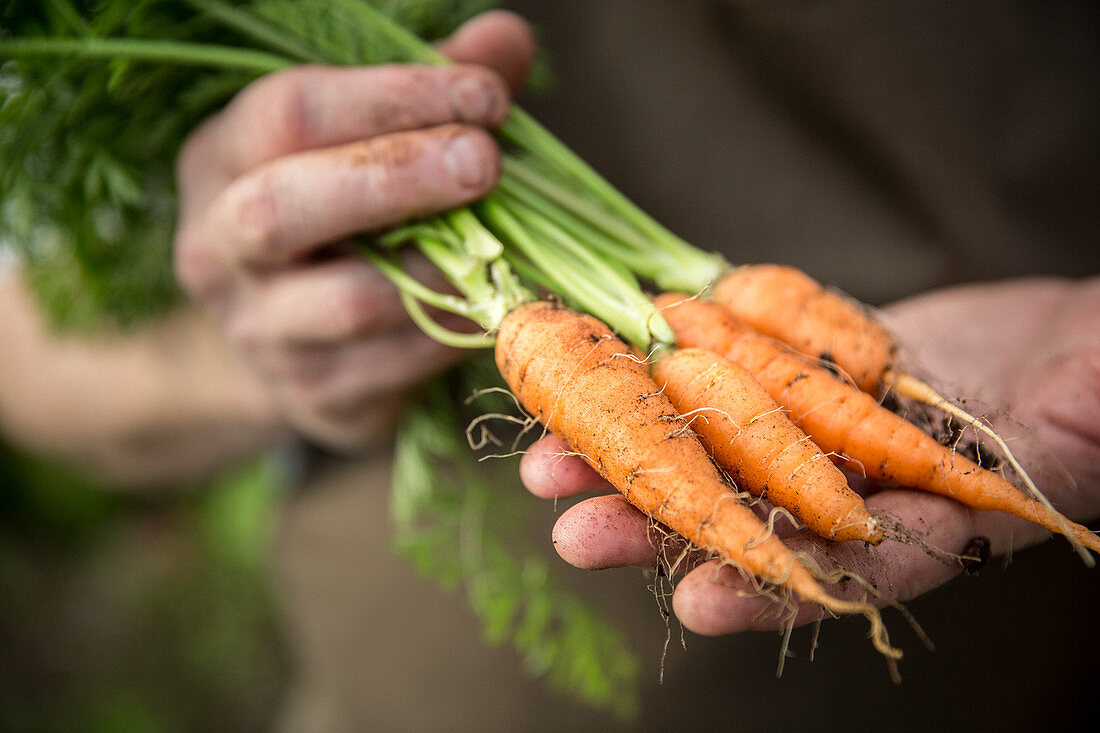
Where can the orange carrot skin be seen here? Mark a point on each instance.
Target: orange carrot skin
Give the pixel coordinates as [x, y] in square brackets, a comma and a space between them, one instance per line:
[568, 370]
[750, 436]
[786, 304]
[851, 424]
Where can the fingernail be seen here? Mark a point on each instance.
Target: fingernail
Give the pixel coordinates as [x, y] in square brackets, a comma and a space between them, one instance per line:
[474, 98]
[466, 161]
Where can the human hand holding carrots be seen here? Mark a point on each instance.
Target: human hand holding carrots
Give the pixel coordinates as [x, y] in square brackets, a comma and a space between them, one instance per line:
[272, 187]
[1029, 346]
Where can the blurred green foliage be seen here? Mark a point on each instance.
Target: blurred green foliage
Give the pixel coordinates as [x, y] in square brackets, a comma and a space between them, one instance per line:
[136, 613]
[462, 522]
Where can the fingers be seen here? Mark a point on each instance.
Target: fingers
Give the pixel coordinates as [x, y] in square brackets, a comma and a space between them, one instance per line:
[312, 154]
[287, 208]
[333, 379]
[311, 107]
[550, 469]
[712, 599]
[335, 345]
[335, 331]
[604, 532]
[347, 395]
[326, 303]
[359, 424]
[307, 157]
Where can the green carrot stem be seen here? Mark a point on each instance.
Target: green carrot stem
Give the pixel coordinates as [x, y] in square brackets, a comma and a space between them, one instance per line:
[408, 284]
[603, 290]
[161, 52]
[667, 260]
[693, 269]
[443, 335]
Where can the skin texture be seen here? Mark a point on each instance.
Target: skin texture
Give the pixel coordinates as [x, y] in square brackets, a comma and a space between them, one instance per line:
[272, 187]
[1032, 347]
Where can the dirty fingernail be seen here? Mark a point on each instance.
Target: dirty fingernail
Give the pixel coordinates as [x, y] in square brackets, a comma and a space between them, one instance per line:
[474, 98]
[466, 161]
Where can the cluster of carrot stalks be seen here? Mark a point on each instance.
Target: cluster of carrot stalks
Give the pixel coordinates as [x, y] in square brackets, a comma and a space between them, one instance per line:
[772, 383]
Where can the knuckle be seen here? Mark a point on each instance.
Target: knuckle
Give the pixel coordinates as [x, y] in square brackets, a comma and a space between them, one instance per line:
[354, 312]
[395, 91]
[311, 396]
[251, 215]
[244, 334]
[280, 100]
[191, 160]
[197, 269]
[382, 180]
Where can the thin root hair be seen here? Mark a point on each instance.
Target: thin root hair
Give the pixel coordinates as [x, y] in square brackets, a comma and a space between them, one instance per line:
[768, 531]
[784, 647]
[915, 389]
[916, 627]
[643, 360]
[852, 463]
[493, 456]
[486, 436]
[762, 415]
[894, 530]
[478, 393]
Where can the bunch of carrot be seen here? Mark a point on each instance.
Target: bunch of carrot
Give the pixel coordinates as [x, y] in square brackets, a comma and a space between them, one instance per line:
[730, 407]
[702, 398]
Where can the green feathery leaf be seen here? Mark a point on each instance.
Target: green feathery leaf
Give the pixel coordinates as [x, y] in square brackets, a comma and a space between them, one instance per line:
[461, 523]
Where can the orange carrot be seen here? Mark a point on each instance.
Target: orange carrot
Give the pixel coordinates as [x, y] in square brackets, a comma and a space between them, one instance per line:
[750, 436]
[580, 381]
[787, 304]
[853, 425]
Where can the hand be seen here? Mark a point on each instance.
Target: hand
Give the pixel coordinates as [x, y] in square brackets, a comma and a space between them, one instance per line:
[1032, 347]
[272, 187]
